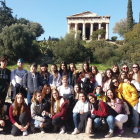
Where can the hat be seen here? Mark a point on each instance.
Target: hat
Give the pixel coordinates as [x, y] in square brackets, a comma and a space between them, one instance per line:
[94, 96]
[43, 64]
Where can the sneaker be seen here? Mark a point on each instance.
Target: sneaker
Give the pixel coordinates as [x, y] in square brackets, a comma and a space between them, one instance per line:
[25, 133]
[135, 130]
[62, 130]
[119, 132]
[42, 130]
[109, 135]
[76, 131]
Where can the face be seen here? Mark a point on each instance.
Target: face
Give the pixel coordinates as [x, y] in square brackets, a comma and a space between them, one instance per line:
[72, 67]
[98, 90]
[135, 68]
[85, 67]
[93, 70]
[64, 81]
[108, 73]
[53, 68]
[91, 99]
[125, 68]
[127, 81]
[48, 90]
[39, 97]
[115, 82]
[123, 75]
[3, 63]
[115, 69]
[20, 64]
[19, 99]
[82, 97]
[110, 94]
[55, 95]
[76, 88]
[62, 66]
[43, 68]
[32, 69]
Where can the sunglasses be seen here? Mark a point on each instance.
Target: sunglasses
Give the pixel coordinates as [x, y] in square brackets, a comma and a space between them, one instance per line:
[125, 68]
[115, 82]
[134, 67]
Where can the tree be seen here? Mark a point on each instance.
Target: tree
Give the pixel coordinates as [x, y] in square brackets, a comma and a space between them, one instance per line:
[129, 16]
[120, 27]
[95, 34]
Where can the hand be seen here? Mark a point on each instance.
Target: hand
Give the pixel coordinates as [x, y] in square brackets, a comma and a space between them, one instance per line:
[25, 128]
[47, 113]
[41, 125]
[2, 123]
[50, 115]
[7, 118]
[81, 112]
[21, 127]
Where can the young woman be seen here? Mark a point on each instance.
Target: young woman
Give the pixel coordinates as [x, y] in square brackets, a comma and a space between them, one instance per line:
[80, 114]
[115, 69]
[125, 68]
[32, 82]
[107, 79]
[77, 89]
[117, 105]
[73, 74]
[98, 76]
[122, 76]
[44, 74]
[55, 77]
[100, 110]
[99, 93]
[46, 93]
[59, 107]
[130, 95]
[63, 68]
[41, 118]
[19, 116]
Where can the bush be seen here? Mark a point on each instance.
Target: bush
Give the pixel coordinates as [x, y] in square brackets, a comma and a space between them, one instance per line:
[114, 38]
[113, 60]
[120, 42]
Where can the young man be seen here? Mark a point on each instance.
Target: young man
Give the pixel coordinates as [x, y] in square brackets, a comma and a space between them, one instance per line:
[4, 78]
[17, 79]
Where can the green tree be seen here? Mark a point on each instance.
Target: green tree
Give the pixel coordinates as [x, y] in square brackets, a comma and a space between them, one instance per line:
[95, 34]
[129, 16]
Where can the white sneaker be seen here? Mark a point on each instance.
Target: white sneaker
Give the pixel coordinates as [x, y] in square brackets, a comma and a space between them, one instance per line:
[76, 131]
[25, 133]
[135, 130]
[62, 130]
[42, 132]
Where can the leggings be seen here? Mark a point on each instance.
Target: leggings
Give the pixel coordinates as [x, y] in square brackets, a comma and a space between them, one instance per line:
[58, 122]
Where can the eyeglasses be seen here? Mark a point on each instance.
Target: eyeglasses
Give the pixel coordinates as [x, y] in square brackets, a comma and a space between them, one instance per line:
[134, 67]
[115, 82]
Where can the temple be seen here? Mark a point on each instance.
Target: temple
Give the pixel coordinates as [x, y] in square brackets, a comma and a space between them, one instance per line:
[88, 22]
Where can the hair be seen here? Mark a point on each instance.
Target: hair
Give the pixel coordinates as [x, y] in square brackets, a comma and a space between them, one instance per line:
[78, 87]
[34, 65]
[20, 59]
[4, 58]
[64, 76]
[119, 77]
[55, 67]
[137, 65]
[16, 107]
[34, 96]
[124, 65]
[82, 92]
[101, 93]
[105, 78]
[74, 72]
[44, 90]
[96, 69]
[46, 73]
[118, 71]
[53, 100]
[114, 96]
[61, 71]
[112, 87]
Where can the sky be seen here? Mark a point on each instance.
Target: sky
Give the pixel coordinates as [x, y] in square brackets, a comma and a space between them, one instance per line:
[51, 14]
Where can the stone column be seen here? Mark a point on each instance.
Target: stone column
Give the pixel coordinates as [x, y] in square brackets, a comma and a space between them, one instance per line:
[68, 28]
[99, 27]
[83, 31]
[76, 29]
[107, 31]
[91, 28]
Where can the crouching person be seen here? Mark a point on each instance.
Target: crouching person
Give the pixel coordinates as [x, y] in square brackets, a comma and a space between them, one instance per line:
[20, 116]
[80, 114]
[40, 117]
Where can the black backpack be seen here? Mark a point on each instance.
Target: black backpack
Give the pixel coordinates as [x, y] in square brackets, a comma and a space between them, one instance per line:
[86, 86]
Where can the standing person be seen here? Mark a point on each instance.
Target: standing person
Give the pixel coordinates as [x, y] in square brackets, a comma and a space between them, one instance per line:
[117, 105]
[17, 79]
[98, 76]
[107, 79]
[115, 70]
[31, 82]
[63, 68]
[40, 116]
[59, 107]
[46, 93]
[130, 95]
[19, 116]
[4, 77]
[73, 74]
[44, 74]
[55, 77]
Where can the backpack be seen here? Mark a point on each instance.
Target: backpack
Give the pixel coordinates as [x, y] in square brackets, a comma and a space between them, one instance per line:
[85, 85]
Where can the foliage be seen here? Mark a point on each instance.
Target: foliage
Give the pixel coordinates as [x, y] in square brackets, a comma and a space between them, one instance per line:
[114, 38]
[120, 27]
[95, 34]
[129, 16]
[120, 42]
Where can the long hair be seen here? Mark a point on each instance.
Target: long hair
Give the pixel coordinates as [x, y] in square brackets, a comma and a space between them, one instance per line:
[74, 72]
[114, 96]
[44, 90]
[65, 71]
[122, 68]
[96, 69]
[53, 101]
[79, 89]
[16, 108]
[55, 67]
[101, 93]
[105, 78]
[112, 87]
[46, 72]
[34, 96]
[119, 77]
[118, 71]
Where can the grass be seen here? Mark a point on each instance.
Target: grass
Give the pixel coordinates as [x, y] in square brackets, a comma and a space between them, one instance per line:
[101, 67]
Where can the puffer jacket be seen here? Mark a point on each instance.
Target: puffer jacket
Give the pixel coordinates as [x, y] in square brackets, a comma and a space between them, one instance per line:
[128, 93]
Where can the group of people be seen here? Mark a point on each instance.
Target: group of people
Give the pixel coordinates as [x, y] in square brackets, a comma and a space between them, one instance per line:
[68, 98]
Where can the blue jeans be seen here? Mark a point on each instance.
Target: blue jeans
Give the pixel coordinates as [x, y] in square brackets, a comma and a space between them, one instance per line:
[110, 121]
[75, 119]
[135, 115]
[29, 97]
[36, 123]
